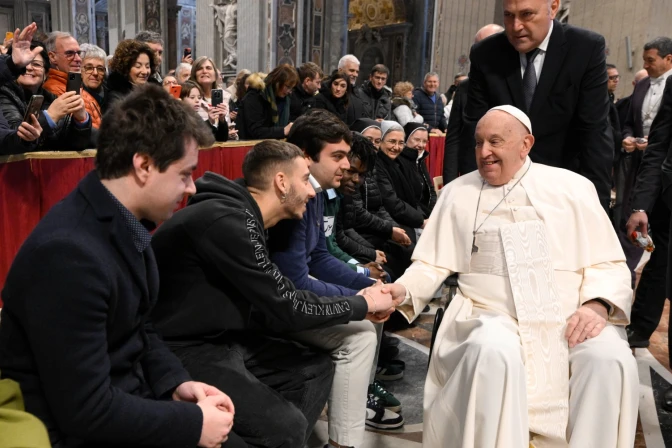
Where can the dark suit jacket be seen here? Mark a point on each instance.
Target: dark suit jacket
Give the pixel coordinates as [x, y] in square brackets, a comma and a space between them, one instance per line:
[651, 179]
[570, 106]
[76, 333]
[622, 106]
[633, 127]
[453, 154]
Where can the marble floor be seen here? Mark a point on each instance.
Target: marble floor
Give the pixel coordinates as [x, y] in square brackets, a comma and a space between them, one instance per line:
[654, 425]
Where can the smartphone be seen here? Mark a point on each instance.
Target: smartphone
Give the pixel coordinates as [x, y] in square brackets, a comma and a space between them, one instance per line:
[175, 91]
[217, 97]
[34, 107]
[74, 82]
[641, 140]
[187, 52]
[9, 35]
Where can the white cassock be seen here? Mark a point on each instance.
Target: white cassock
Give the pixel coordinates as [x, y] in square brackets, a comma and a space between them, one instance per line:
[501, 373]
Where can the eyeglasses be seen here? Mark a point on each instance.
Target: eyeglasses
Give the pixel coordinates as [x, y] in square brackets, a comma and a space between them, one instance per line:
[614, 78]
[36, 65]
[169, 82]
[70, 54]
[394, 142]
[90, 69]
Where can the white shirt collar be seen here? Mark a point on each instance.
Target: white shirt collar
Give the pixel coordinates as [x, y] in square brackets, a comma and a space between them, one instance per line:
[662, 78]
[316, 185]
[544, 44]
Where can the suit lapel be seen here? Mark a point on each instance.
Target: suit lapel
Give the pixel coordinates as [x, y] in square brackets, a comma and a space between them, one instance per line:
[555, 57]
[513, 79]
[123, 241]
[638, 104]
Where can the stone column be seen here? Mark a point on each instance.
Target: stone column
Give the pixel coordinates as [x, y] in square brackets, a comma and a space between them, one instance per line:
[206, 34]
[252, 36]
[336, 34]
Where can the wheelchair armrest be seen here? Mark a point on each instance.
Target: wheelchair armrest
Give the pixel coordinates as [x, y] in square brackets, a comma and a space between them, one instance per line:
[451, 281]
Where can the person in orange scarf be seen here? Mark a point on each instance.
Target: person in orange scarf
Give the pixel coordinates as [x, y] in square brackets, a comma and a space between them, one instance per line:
[65, 56]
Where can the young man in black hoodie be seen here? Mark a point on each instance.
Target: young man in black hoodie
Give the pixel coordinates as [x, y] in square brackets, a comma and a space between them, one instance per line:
[225, 308]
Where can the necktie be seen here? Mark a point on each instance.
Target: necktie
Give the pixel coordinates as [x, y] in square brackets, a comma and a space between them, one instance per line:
[530, 78]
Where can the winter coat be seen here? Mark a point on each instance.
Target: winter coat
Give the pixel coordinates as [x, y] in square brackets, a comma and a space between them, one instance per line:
[378, 103]
[419, 175]
[56, 83]
[430, 110]
[64, 136]
[401, 198]
[403, 108]
[255, 114]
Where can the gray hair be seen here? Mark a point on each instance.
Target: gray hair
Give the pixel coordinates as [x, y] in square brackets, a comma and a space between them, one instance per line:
[429, 75]
[662, 44]
[347, 58]
[92, 51]
[150, 37]
[53, 37]
[182, 67]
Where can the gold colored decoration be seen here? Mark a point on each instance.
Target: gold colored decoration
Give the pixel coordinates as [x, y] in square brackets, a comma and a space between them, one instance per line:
[375, 13]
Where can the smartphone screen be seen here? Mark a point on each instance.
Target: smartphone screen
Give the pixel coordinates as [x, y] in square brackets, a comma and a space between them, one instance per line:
[9, 35]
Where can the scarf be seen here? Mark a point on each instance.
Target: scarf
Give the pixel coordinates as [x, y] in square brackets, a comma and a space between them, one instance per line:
[280, 118]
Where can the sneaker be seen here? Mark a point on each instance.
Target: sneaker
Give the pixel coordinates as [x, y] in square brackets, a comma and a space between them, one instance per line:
[380, 418]
[389, 372]
[385, 398]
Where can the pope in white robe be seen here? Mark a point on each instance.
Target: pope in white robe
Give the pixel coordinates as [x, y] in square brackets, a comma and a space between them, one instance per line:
[532, 350]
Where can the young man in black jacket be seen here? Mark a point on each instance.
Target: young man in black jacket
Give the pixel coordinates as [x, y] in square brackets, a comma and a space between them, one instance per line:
[76, 333]
[229, 313]
[302, 98]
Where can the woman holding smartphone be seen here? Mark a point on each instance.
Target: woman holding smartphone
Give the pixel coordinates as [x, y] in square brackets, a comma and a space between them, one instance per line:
[192, 95]
[64, 122]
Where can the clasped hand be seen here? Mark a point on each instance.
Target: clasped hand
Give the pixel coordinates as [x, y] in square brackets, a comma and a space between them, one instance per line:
[380, 301]
[217, 408]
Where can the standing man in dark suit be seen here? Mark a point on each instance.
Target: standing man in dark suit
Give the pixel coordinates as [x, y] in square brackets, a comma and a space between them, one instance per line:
[624, 103]
[558, 75]
[76, 333]
[659, 184]
[461, 160]
[647, 206]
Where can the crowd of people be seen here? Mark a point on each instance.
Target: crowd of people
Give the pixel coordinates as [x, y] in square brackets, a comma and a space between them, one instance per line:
[244, 314]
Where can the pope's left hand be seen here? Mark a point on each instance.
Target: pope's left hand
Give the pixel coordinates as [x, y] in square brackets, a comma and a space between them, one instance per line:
[193, 391]
[586, 323]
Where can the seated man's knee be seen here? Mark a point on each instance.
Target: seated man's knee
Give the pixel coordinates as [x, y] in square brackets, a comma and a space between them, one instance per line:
[287, 430]
[360, 337]
[604, 361]
[495, 355]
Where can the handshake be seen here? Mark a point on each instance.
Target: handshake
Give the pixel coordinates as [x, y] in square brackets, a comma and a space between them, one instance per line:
[382, 300]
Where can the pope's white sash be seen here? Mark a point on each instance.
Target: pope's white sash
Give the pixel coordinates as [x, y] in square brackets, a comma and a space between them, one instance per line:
[541, 326]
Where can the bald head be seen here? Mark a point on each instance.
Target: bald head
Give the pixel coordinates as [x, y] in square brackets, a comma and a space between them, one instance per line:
[487, 31]
[639, 76]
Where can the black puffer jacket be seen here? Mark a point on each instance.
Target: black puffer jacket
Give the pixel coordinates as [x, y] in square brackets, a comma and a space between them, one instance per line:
[371, 200]
[431, 111]
[64, 137]
[418, 169]
[352, 216]
[379, 102]
[401, 198]
[118, 87]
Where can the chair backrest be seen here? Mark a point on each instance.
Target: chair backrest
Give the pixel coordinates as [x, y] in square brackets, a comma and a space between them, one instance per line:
[438, 183]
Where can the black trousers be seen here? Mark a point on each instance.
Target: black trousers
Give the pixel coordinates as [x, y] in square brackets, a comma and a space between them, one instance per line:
[278, 387]
[651, 291]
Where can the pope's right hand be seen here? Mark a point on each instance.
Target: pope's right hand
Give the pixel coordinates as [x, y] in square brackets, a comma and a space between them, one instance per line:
[629, 144]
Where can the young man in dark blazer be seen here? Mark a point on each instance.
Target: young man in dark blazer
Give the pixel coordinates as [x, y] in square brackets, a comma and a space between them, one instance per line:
[76, 333]
[564, 91]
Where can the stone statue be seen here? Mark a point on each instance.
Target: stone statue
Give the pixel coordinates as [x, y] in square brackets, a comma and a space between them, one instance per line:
[226, 16]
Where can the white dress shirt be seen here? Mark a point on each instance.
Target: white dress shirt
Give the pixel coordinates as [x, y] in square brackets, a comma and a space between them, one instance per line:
[539, 60]
[652, 101]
